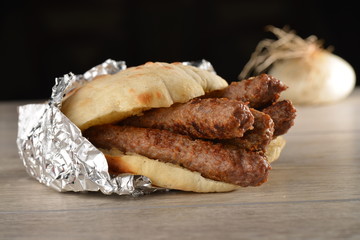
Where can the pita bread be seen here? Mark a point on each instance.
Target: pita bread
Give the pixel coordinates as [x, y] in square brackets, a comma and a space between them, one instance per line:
[136, 89]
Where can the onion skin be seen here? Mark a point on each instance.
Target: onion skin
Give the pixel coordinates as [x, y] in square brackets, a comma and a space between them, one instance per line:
[319, 78]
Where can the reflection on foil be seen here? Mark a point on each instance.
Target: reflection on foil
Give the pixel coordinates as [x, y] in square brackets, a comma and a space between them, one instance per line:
[55, 153]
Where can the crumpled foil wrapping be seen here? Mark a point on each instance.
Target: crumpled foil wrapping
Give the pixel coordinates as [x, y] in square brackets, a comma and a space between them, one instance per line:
[55, 153]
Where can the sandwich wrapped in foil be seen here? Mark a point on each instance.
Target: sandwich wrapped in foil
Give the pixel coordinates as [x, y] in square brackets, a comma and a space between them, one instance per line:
[55, 153]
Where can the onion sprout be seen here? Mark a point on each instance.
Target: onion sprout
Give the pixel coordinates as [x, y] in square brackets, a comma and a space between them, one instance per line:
[287, 46]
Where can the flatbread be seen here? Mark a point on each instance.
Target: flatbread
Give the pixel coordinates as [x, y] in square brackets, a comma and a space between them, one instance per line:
[136, 89]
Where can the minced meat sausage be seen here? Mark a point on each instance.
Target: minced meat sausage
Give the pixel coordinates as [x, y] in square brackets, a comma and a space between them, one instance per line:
[220, 162]
[212, 118]
[259, 91]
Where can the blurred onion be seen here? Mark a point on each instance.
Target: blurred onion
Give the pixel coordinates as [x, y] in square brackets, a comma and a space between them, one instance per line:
[314, 75]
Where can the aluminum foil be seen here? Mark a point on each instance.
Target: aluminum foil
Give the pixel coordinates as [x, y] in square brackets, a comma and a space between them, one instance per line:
[55, 153]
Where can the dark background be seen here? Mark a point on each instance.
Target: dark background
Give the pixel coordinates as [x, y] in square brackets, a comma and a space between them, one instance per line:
[42, 40]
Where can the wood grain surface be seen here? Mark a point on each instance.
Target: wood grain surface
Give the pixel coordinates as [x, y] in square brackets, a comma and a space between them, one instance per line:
[313, 192]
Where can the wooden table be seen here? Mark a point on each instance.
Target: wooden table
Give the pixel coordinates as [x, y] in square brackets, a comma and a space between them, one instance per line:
[313, 192]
